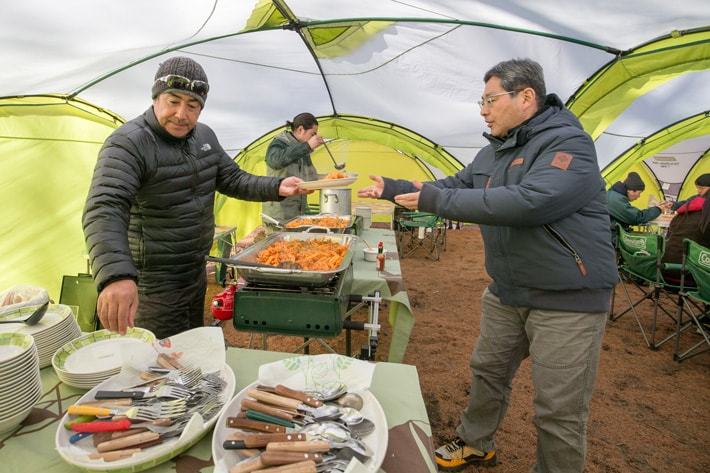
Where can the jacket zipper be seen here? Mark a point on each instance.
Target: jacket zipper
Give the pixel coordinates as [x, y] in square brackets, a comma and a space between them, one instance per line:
[560, 239]
[191, 160]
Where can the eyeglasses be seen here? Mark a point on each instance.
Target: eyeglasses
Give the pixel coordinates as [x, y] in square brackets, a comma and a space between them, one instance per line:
[173, 81]
[490, 100]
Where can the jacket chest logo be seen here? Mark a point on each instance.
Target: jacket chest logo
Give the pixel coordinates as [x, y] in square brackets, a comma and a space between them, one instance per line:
[205, 147]
[561, 160]
[517, 162]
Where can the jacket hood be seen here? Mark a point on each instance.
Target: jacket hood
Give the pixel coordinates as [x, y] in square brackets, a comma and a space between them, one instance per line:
[552, 115]
[619, 187]
[287, 137]
[695, 204]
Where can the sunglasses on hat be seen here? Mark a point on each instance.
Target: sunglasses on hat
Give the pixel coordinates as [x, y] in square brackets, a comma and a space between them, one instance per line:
[173, 81]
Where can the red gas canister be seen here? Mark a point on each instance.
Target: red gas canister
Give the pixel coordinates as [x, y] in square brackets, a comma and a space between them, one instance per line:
[222, 306]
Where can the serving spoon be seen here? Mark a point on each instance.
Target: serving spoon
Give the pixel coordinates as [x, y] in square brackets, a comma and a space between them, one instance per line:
[32, 319]
[338, 166]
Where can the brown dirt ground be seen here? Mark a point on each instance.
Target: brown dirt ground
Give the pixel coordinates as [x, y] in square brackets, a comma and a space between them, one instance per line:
[648, 413]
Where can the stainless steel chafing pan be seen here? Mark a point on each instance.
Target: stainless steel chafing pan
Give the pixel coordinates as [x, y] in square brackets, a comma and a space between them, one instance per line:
[254, 272]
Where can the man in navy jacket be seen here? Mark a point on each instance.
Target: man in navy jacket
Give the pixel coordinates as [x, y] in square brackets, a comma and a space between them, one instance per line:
[538, 196]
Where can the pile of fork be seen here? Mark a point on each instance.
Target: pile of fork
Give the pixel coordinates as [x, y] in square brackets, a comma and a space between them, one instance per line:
[123, 423]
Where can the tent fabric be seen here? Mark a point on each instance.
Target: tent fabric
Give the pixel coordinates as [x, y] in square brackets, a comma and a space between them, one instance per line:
[48, 148]
[669, 160]
[417, 65]
[609, 92]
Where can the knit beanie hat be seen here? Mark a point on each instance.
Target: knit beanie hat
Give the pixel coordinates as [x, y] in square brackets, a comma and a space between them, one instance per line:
[633, 182]
[703, 180]
[183, 75]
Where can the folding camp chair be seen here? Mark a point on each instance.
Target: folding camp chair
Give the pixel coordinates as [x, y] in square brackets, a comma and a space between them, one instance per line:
[417, 230]
[640, 265]
[80, 291]
[695, 299]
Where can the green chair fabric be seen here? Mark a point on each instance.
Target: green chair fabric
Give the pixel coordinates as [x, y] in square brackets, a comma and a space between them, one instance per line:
[696, 261]
[640, 266]
[419, 230]
[80, 291]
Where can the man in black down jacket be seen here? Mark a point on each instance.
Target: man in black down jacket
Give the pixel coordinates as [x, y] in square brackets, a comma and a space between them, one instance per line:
[538, 196]
[148, 219]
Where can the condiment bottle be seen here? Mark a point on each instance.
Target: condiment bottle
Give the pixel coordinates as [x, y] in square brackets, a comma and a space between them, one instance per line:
[380, 264]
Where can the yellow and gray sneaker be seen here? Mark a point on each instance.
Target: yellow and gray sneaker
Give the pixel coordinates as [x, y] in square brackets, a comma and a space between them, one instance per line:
[456, 455]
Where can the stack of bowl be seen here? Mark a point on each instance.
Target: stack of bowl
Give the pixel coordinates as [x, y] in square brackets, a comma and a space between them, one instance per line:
[53, 331]
[20, 384]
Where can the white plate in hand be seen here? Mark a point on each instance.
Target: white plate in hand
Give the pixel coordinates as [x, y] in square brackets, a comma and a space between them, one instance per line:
[328, 183]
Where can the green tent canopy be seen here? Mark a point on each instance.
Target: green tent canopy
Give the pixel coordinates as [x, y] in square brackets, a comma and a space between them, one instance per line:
[395, 85]
[668, 161]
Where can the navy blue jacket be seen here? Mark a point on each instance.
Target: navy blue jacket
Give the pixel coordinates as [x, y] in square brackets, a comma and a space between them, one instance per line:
[540, 201]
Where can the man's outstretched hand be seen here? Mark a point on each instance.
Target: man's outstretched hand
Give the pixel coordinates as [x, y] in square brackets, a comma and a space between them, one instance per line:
[375, 190]
[411, 200]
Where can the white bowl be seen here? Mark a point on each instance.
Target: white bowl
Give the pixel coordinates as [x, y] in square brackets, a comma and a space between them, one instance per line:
[370, 254]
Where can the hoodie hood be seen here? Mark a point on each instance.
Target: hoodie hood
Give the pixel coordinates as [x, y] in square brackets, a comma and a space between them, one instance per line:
[287, 137]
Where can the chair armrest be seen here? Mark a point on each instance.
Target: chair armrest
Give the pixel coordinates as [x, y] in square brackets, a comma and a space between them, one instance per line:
[672, 266]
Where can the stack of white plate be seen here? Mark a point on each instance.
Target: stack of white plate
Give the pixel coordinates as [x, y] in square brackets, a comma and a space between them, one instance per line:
[56, 328]
[95, 357]
[20, 384]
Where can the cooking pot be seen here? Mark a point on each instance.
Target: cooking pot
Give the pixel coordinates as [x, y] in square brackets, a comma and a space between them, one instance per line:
[336, 201]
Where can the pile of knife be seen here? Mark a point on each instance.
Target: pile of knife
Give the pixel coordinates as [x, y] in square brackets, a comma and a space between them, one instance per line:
[294, 432]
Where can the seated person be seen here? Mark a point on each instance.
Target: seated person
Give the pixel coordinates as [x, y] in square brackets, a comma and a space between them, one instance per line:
[619, 199]
[692, 221]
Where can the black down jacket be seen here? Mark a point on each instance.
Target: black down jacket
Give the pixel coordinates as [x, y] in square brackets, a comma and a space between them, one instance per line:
[149, 212]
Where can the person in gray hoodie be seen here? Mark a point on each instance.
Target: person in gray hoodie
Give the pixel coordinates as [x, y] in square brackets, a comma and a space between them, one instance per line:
[289, 154]
[539, 198]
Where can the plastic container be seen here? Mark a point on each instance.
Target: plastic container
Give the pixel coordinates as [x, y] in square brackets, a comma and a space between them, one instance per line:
[370, 254]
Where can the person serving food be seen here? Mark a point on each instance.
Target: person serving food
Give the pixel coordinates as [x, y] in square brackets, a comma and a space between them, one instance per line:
[289, 154]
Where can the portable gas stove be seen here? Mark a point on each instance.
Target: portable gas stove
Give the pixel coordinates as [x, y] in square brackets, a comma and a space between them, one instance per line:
[310, 312]
[300, 311]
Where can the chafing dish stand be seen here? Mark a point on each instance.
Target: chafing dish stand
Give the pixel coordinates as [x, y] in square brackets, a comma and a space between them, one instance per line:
[310, 312]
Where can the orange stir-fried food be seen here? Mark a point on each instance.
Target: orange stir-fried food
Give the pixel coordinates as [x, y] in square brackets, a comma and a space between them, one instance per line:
[317, 254]
[328, 222]
[335, 175]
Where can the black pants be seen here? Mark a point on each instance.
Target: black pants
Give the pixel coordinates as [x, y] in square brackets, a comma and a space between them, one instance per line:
[169, 313]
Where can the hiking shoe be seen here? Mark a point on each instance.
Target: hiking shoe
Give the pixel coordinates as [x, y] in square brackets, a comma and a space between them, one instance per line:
[456, 455]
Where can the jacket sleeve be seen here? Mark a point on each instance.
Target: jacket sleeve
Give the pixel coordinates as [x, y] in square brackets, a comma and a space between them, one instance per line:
[395, 187]
[235, 182]
[562, 179]
[280, 154]
[627, 214]
[117, 176]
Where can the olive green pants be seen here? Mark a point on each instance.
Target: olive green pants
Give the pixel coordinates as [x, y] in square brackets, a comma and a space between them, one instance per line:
[564, 350]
